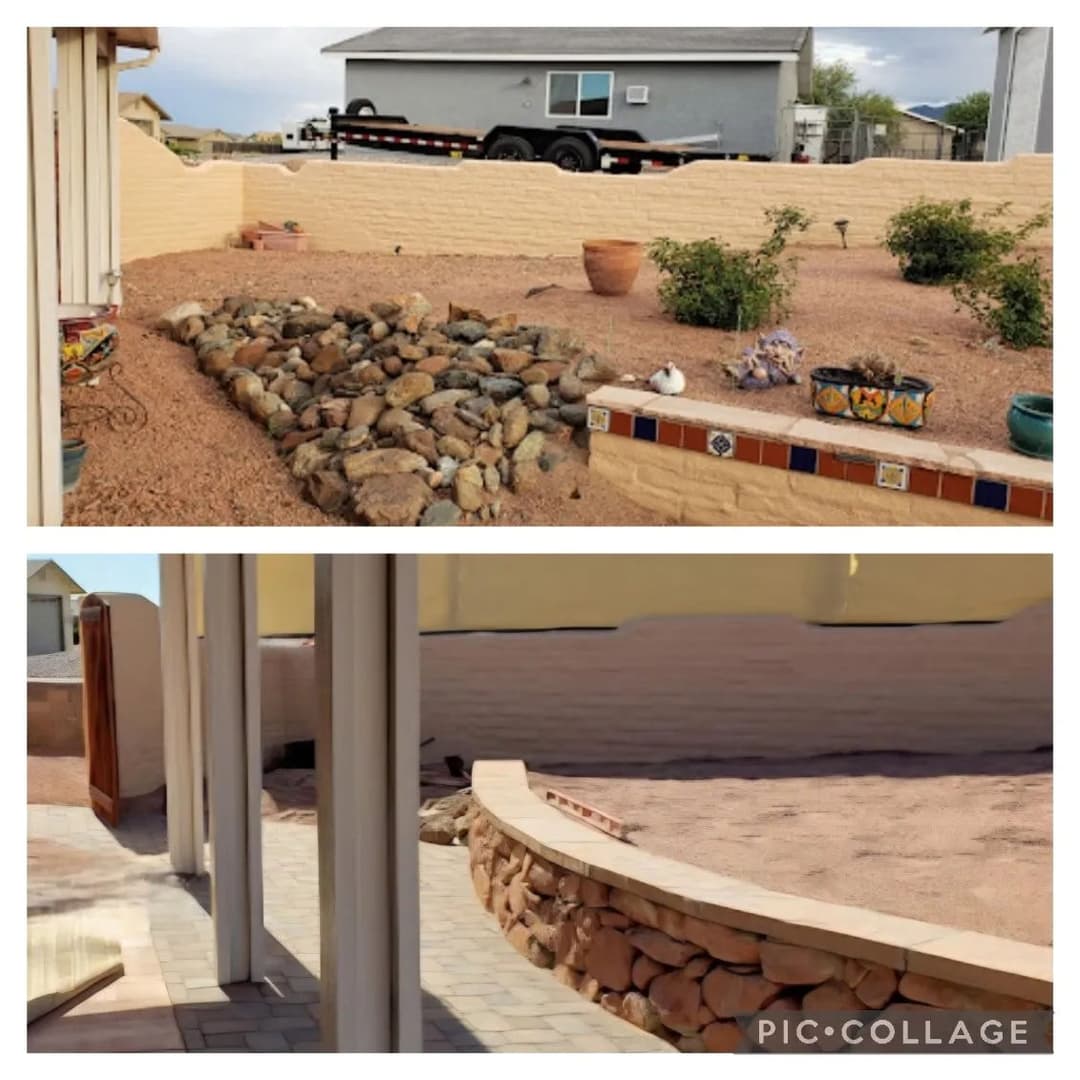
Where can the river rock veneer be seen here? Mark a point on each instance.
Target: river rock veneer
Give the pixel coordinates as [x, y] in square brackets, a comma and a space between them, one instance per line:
[389, 415]
[681, 978]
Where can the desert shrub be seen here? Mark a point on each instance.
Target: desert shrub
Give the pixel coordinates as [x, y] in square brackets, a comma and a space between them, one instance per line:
[709, 283]
[1012, 299]
[944, 242]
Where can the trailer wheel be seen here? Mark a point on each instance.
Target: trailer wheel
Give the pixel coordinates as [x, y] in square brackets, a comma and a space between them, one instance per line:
[511, 148]
[361, 106]
[571, 154]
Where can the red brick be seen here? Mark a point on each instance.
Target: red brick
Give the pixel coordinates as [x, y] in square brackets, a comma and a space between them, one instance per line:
[747, 448]
[1048, 510]
[774, 454]
[670, 434]
[1026, 501]
[957, 488]
[924, 481]
[695, 438]
[860, 472]
[621, 423]
[828, 464]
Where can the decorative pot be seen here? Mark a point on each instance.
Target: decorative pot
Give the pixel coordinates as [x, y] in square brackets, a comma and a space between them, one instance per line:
[1031, 425]
[74, 450]
[843, 392]
[611, 265]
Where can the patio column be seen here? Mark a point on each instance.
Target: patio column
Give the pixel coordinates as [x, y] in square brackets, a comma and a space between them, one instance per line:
[367, 748]
[180, 684]
[234, 758]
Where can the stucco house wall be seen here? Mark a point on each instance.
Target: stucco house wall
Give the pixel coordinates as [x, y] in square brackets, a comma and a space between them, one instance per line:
[50, 580]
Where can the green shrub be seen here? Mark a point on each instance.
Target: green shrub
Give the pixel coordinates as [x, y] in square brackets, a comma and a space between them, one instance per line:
[1012, 300]
[942, 242]
[709, 283]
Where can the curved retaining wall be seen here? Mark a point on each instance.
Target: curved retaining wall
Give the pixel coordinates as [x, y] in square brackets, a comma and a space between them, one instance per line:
[682, 952]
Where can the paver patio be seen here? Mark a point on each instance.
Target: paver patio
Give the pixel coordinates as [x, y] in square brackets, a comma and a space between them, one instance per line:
[479, 994]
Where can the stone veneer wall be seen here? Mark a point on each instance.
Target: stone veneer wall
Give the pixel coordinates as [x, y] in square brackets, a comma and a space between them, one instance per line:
[515, 208]
[701, 463]
[672, 970]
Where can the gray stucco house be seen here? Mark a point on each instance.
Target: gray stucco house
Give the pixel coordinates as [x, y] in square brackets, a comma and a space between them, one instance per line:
[732, 89]
[1022, 104]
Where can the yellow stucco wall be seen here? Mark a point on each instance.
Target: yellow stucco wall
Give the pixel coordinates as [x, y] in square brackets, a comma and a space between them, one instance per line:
[503, 592]
[513, 208]
[166, 205]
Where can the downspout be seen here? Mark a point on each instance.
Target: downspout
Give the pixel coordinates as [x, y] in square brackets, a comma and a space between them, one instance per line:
[113, 276]
[146, 61]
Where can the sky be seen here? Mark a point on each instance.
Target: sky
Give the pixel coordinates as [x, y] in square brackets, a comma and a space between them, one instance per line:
[254, 79]
[112, 573]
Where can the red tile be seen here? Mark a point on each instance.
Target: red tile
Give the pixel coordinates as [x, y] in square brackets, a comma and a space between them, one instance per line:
[774, 454]
[670, 434]
[957, 488]
[860, 472]
[828, 464]
[695, 438]
[747, 448]
[1026, 501]
[924, 482]
[621, 423]
[1048, 510]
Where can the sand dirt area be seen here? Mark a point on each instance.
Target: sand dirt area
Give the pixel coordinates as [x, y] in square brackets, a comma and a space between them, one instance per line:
[199, 461]
[962, 841]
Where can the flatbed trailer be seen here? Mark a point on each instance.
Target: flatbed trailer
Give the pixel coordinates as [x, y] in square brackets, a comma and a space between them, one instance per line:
[570, 147]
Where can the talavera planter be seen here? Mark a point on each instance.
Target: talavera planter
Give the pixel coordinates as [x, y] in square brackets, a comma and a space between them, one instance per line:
[845, 393]
[1031, 425]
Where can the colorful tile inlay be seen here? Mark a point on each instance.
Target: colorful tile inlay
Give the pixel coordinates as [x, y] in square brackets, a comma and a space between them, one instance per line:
[721, 443]
[1015, 498]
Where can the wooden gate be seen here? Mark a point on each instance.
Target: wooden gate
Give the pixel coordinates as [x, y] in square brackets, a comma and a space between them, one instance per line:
[99, 709]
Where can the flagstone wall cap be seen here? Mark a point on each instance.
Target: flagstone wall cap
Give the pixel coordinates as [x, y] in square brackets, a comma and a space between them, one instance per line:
[1000, 965]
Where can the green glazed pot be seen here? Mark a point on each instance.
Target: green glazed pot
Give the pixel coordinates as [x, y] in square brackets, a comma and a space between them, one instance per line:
[1031, 425]
[74, 450]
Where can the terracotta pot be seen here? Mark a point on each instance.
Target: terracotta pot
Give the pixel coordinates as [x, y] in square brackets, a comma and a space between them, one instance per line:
[612, 265]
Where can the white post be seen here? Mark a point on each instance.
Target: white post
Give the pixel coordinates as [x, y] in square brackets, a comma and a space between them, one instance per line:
[183, 731]
[367, 763]
[43, 434]
[234, 756]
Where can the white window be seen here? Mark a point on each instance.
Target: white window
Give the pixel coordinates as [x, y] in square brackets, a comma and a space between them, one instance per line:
[579, 93]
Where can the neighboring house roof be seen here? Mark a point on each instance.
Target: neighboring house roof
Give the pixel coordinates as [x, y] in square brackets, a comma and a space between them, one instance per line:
[485, 43]
[128, 97]
[35, 566]
[928, 119]
[188, 131]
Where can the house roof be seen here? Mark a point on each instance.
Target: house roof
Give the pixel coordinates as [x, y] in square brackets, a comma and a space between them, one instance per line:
[130, 97]
[189, 131]
[459, 42]
[928, 119]
[35, 566]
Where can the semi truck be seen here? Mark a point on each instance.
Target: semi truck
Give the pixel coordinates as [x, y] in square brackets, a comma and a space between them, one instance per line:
[574, 148]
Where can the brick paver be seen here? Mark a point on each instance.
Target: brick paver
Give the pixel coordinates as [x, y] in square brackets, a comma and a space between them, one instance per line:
[479, 994]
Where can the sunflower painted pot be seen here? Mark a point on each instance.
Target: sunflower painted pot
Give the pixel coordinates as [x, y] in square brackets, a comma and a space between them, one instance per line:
[843, 392]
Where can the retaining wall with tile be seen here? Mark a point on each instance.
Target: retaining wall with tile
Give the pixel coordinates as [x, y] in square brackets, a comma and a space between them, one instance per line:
[693, 957]
[702, 463]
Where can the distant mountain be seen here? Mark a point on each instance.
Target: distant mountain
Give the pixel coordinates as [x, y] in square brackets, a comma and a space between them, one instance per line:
[931, 112]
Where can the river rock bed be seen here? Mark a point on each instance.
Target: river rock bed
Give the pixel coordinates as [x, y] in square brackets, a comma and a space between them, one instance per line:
[390, 415]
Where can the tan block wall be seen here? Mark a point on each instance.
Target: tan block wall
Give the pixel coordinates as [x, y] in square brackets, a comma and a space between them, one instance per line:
[698, 489]
[54, 723]
[166, 205]
[511, 208]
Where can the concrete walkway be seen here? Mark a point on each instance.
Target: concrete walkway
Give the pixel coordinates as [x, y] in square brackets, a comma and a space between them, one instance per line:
[479, 994]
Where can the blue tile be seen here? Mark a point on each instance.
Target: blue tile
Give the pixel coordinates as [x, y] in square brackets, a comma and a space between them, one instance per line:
[645, 428]
[992, 494]
[803, 459]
